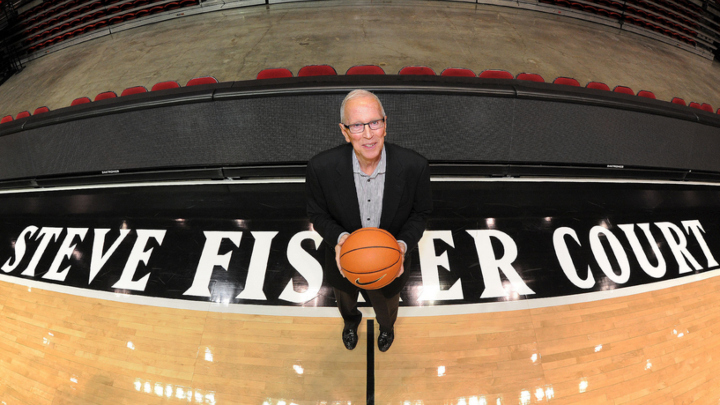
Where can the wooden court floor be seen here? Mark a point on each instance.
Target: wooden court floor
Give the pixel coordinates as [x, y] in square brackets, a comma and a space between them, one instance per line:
[660, 347]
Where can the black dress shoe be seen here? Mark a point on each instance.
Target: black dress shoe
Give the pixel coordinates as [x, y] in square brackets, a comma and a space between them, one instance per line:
[385, 340]
[350, 338]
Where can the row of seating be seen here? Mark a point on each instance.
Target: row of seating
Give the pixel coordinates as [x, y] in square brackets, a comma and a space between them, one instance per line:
[663, 9]
[111, 94]
[327, 70]
[46, 6]
[656, 18]
[54, 31]
[62, 13]
[633, 15]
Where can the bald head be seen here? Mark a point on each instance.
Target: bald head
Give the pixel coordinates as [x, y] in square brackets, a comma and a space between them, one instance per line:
[358, 94]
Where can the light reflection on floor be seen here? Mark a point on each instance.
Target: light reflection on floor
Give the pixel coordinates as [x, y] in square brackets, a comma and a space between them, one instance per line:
[168, 391]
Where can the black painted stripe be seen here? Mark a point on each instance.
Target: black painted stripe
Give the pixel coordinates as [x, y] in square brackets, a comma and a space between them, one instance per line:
[370, 392]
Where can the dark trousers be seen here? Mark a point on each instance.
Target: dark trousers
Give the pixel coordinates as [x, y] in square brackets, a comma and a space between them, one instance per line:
[386, 309]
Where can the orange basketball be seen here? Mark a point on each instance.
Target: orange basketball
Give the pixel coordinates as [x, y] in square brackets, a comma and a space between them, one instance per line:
[370, 258]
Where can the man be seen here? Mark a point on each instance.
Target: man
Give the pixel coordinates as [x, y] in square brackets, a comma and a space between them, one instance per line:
[367, 183]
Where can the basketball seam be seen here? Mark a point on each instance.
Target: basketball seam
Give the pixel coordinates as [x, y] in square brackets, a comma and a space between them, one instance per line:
[370, 247]
[372, 272]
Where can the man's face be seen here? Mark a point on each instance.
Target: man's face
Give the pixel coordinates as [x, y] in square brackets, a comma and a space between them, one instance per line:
[367, 144]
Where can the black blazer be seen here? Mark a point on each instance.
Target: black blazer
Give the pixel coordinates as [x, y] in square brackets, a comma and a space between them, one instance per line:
[332, 203]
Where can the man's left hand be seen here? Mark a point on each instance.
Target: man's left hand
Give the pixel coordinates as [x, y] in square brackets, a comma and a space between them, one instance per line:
[402, 258]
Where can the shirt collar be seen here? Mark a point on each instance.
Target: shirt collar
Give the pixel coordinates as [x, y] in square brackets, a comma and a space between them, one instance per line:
[380, 169]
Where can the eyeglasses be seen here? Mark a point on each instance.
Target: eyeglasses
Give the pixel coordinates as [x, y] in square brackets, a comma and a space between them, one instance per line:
[358, 128]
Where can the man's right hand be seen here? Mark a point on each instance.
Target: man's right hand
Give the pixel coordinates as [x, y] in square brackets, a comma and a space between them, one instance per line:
[337, 252]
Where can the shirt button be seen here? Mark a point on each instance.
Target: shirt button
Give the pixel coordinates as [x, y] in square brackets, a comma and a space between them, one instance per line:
[368, 180]
[368, 200]
[368, 219]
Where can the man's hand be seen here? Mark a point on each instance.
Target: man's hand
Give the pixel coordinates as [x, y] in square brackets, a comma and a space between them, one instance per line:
[402, 257]
[337, 252]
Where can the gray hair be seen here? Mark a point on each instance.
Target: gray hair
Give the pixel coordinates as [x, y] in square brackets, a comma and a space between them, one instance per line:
[355, 94]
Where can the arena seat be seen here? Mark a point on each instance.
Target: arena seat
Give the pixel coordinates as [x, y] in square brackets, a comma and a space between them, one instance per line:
[568, 81]
[172, 6]
[678, 100]
[458, 72]
[41, 110]
[133, 90]
[129, 16]
[80, 100]
[165, 85]
[105, 95]
[624, 90]
[23, 114]
[317, 70]
[274, 73]
[597, 86]
[6, 118]
[417, 70]
[202, 80]
[365, 70]
[126, 6]
[694, 105]
[531, 77]
[495, 74]
[707, 107]
[647, 94]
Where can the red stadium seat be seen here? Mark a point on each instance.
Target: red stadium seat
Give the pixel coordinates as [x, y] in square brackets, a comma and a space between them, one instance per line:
[597, 86]
[495, 74]
[532, 77]
[105, 95]
[23, 114]
[165, 85]
[365, 70]
[133, 90]
[678, 100]
[80, 100]
[41, 110]
[129, 16]
[6, 118]
[172, 6]
[695, 105]
[156, 9]
[568, 81]
[458, 72]
[707, 107]
[624, 90]
[274, 73]
[647, 94]
[317, 70]
[202, 80]
[417, 70]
